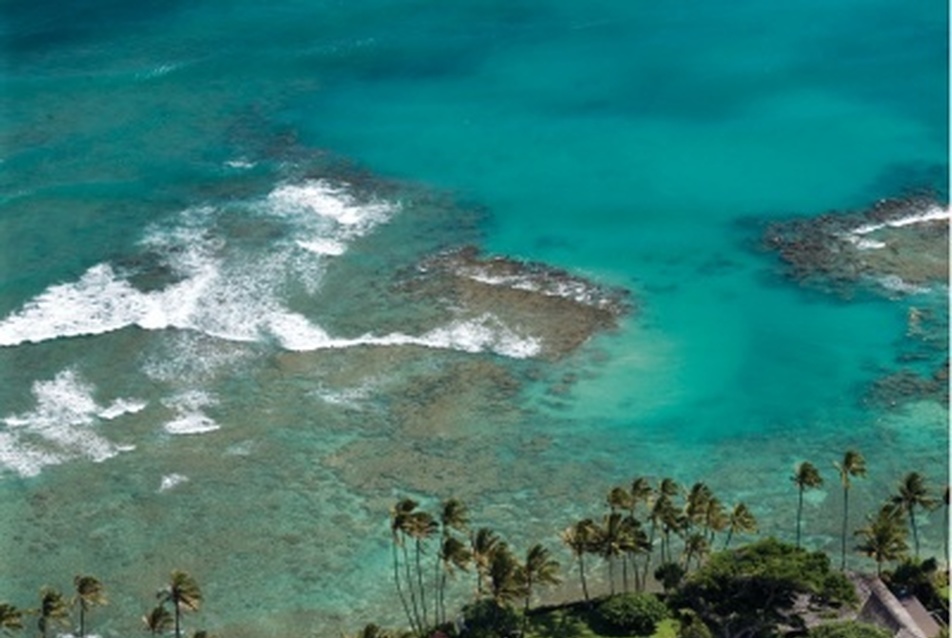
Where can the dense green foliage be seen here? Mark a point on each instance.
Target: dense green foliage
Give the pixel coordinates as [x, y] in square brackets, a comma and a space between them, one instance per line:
[850, 629]
[754, 588]
[629, 615]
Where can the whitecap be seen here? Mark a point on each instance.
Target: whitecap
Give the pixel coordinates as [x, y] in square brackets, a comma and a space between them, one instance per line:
[190, 419]
[60, 427]
[122, 406]
[171, 480]
[934, 213]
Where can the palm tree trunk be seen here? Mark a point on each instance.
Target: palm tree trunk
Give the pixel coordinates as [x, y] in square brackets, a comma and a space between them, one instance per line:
[611, 574]
[419, 568]
[581, 570]
[178, 618]
[730, 533]
[396, 579]
[915, 530]
[651, 537]
[799, 515]
[409, 576]
[846, 511]
[525, 612]
[82, 621]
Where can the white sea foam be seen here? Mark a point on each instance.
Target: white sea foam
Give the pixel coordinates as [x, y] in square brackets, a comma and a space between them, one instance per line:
[190, 419]
[897, 284]
[60, 428]
[324, 199]
[120, 407]
[483, 334]
[171, 480]
[236, 297]
[323, 246]
[857, 235]
[240, 163]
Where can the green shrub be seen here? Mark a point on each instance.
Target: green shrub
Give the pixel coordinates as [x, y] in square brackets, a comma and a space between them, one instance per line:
[629, 615]
[849, 629]
[486, 619]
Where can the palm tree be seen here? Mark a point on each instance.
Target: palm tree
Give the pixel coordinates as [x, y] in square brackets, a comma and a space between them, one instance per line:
[806, 477]
[695, 505]
[182, 591]
[640, 492]
[612, 540]
[506, 581]
[741, 520]
[158, 621]
[89, 592]
[10, 617]
[620, 499]
[421, 528]
[453, 555]
[715, 519]
[884, 537]
[696, 546]
[399, 522]
[580, 539]
[539, 569]
[53, 607]
[913, 493]
[853, 465]
[453, 516]
[482, 546]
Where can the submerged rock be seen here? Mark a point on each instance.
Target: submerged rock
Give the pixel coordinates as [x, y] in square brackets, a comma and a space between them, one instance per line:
[895, 248]
[556, 308]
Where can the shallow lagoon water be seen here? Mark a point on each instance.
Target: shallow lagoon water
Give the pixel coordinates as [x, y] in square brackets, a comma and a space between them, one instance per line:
[235, 200]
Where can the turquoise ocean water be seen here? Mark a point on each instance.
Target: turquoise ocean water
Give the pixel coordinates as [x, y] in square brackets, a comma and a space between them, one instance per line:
[209, 209]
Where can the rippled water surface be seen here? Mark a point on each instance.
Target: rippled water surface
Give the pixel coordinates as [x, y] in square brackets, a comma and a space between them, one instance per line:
[267, 268]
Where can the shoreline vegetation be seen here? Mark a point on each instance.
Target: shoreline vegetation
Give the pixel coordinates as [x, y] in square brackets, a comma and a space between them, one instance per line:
[665, 554]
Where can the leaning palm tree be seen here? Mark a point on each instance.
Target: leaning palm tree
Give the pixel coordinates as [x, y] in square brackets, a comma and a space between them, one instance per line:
[10, 617]
[884, 537]
[695, 505]
[715, 518]
[913, 493]
[53, 608]
[158, 621]
[183, 592]
[89, 593]
[453, 555]
[422, 527]
[620, 499]
[539, 569]
[506, 581]
[483, 545]
[853, 464]
[741, 520]
[806, 477]
[613, 541]
[453, 517]
[696, 546]
[580, 539]
[400, 516]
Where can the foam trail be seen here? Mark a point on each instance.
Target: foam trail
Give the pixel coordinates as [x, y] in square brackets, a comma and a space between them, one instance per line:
[935, 213]
[485, 333]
